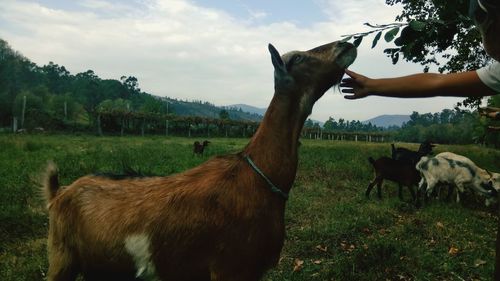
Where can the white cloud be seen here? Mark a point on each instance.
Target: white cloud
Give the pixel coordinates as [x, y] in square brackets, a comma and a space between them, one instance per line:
[181, 50]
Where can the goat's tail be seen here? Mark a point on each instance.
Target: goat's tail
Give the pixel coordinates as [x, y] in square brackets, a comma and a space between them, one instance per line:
[50, 181]
[422, 164]
[371, 160]
[393, 151]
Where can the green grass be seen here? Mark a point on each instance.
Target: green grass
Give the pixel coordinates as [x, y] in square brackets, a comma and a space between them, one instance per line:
[331, 227]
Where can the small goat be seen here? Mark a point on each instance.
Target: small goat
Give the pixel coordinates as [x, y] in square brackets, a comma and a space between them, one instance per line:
[411, 156]
[199, 148]
[222, 221]
[397, 171]
[459, 171]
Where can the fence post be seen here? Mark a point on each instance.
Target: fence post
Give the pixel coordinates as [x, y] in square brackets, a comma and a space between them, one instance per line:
[14, 124]
[142, 126]
[166, 127]
[99, 129]
[23, 112]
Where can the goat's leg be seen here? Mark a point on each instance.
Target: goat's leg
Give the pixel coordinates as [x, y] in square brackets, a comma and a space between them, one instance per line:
[450, 192]
[400, 191]
[61, 266]
[370, 187]
[422, 185]
[234, 276]
[412, 192]
[460, 189]
[379, 188]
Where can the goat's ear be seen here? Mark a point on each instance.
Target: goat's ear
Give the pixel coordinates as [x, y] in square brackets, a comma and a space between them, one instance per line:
[489, 173]
[276, 59]
[281, 76]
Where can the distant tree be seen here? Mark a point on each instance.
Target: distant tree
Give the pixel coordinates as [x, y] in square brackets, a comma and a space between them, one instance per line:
[154, 105]
[57, 78]
[330, 124]
[448, 126]
[65, 107]
[35, 111]
[309, 123]
[223, 114]
[17, 74]
[131, 84]
[87, 90]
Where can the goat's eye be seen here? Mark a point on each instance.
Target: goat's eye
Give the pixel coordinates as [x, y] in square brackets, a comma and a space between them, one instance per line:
[297, 58]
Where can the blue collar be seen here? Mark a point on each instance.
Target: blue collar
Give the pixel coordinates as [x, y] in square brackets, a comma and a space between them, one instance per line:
[273, 187]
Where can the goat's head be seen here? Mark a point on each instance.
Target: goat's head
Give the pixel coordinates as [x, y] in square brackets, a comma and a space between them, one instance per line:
[425, 148]
[494, 180]
[306, 75]
[490, 187]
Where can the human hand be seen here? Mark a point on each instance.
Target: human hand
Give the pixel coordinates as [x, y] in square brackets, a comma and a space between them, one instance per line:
[356, 85]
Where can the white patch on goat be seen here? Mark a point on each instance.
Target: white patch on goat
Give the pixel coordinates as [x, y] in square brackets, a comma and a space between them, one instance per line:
[138, 246]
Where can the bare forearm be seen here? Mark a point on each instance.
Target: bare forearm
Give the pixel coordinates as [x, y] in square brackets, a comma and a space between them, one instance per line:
[465, 84]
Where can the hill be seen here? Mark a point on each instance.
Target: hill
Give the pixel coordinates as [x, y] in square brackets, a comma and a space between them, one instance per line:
[249, 108]
[206, 109]
[388, 120]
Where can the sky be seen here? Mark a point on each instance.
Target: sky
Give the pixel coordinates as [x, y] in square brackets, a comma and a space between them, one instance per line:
[208, 50]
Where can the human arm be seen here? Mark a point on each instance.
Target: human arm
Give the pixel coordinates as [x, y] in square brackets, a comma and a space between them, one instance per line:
[463, 84]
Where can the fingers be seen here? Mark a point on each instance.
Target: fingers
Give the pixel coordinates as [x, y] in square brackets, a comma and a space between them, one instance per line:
[351, 73]
[351, 97]
[347, 83]
[352, 85]
[348, 91]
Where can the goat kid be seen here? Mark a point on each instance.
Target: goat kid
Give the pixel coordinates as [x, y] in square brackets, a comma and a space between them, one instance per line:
[411, 156]
[220, 221]
[397, 171]
[458, 171]
[199, 148]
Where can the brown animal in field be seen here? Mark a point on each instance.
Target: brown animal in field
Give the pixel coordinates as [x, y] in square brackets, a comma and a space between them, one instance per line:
[220, 221]
[399, 171]
[199, 148]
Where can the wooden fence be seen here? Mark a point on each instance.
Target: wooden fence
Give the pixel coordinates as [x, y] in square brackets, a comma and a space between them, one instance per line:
[193, 126]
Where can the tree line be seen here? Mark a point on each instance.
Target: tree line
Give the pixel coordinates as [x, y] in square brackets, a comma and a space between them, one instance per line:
[450, 126]
[51, 97]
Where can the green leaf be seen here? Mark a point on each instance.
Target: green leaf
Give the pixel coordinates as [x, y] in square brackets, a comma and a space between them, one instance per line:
[417, 25]
[395, 58]
[375, 40]
[357, 42]
[391, 34]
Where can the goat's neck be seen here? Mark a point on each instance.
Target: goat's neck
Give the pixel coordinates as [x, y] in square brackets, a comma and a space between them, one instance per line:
[274, 145]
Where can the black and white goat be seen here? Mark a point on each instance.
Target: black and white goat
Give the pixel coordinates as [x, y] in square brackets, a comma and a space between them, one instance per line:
[458, 171]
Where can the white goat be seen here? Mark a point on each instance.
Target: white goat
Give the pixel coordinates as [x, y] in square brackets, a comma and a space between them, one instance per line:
[460, 171]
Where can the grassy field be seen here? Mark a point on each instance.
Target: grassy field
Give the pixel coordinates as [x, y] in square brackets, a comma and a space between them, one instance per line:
[333, 231]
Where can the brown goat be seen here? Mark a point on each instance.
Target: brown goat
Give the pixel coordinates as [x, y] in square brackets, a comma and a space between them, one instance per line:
[401, 172]
[220, 221]
[199, 148]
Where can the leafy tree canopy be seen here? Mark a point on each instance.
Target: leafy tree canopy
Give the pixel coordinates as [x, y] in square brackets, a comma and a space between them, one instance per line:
[432, 33]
